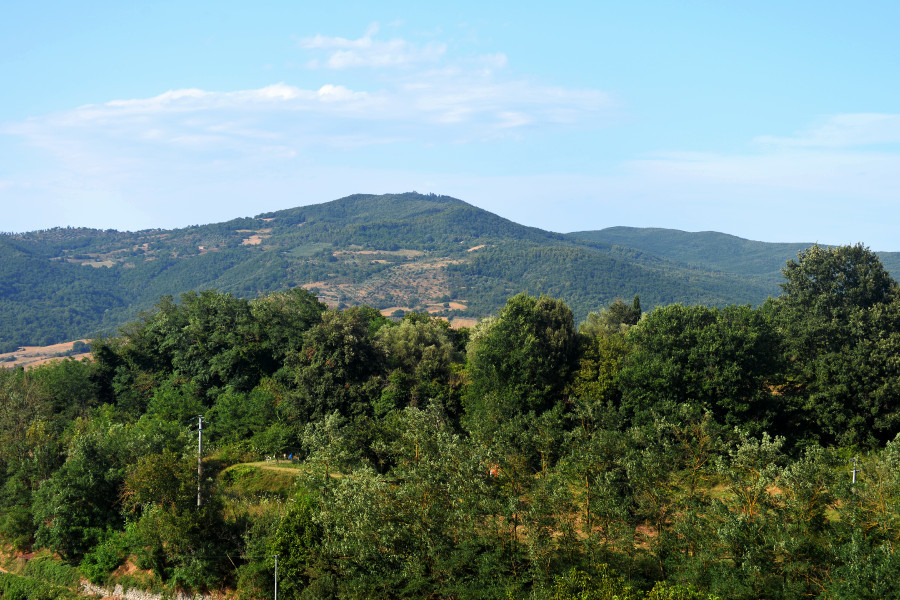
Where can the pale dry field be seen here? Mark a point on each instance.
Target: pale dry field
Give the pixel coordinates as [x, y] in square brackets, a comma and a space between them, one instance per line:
[33, 356]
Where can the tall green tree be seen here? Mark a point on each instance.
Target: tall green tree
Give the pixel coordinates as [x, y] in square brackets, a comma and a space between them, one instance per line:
[724, 361]
[339, 366]
[521, 363]
[840, 319]
[615, 318]
[420, 356]
[282, 318]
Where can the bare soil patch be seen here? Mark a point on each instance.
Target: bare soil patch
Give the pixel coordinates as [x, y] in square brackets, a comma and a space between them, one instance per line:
[403, 252]
[92, 263]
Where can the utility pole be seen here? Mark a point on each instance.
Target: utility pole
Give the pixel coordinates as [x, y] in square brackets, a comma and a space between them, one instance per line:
[276, 577]
[855, 470]
[199, 456]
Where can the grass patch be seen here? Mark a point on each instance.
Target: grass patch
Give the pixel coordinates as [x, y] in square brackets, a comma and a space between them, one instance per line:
[258, 479]
[18, 587]
[307, 250]
[52, 571]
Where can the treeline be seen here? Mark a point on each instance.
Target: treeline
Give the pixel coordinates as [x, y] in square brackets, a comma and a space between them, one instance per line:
[688, 452]
[64, 284]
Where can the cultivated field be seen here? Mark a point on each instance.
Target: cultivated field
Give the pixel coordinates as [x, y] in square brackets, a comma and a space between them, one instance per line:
[32, 356]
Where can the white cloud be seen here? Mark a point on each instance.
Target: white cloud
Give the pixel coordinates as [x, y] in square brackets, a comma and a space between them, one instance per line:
[843, 131]
[164, 154]
[494, 61]
[448, 105]
[167, 152]
[369, 52]
[167, 98]
[466, 100]
[200, 100]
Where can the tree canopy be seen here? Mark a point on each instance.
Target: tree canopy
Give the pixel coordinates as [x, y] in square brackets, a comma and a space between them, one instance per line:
[689, 452]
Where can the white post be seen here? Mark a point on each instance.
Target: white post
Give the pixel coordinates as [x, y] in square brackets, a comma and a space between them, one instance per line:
[199, 456]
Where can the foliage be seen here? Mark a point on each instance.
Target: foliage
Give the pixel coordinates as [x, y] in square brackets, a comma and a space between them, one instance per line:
[64, 284]
[74, 506]
[104, 558]
[579, 585]
[722, 361]
[52, 571]
[651, 458]
[16, 587]
[840, 319]
[522, 362]
[338, 367]
[420, 354]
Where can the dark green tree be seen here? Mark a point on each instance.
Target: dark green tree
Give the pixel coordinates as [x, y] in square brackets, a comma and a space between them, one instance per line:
[192, 546]
[339, 366]
[840, 319]
[282, 319]
[520, 363]
[722, 361]
[79, 502]
[69, 387]
[420, 356]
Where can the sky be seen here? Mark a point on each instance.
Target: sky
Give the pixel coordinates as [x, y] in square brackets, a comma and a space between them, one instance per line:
[772, 121]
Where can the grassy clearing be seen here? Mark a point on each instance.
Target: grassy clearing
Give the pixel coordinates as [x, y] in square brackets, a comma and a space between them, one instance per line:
[261, 479]
[307, 250]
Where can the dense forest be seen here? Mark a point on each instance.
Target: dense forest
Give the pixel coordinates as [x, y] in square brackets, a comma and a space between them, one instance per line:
[396, 253]
[685, 452]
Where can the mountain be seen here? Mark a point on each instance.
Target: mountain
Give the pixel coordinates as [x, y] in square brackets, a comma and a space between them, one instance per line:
[706, 249]
[714, 251]
[394, 252]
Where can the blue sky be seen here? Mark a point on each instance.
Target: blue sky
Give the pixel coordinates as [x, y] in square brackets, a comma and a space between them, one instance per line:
[769, 120]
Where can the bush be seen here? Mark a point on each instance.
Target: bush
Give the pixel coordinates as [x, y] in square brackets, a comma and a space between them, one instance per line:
[52, 571]
[103, 559]
[604, 585]
[16, 587]
[666, 591]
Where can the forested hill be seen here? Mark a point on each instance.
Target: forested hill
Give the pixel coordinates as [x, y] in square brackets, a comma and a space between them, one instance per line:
[714, 251]
[397, 253]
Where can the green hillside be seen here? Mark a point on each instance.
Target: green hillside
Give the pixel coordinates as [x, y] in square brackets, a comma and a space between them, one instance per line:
[396, 252]
[714, 251]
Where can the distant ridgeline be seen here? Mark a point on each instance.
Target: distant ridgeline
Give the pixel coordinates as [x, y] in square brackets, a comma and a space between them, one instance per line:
[398, 253]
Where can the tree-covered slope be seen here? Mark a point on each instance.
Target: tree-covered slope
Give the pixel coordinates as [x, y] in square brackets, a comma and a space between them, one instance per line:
[714, 251]
[44, 301]
[688, 453]
[710, 249]
[396, 252]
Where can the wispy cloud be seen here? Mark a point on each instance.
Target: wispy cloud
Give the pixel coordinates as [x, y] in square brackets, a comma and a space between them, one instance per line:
[367, 51]
[843, 131]
[460, 102]
[165, 152]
